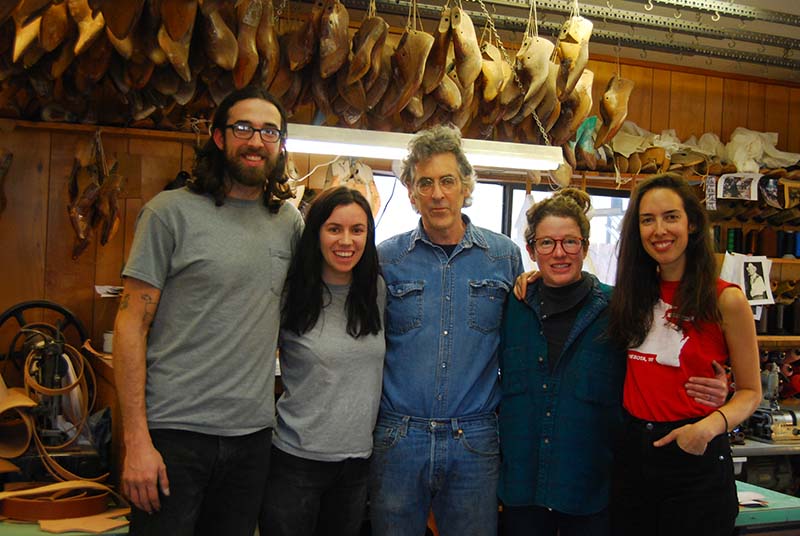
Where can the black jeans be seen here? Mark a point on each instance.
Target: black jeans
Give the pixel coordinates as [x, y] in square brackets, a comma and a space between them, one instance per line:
[216, 484]
[308, 497]
[664, 491]
[540, 521]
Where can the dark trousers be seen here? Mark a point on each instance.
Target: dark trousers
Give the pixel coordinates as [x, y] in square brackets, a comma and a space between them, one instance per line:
[540, 521]
[308, 497]
[216, 484]
[664, 491]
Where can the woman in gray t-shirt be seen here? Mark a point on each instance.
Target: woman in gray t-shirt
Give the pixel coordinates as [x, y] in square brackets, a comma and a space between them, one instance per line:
[331, 356]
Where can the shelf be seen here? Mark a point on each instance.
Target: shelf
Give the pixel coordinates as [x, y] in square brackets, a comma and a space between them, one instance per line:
[776, 342]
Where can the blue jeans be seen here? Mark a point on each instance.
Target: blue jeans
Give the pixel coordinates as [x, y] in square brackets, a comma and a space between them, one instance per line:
[448, 465]
[313, 498]
[215, 483]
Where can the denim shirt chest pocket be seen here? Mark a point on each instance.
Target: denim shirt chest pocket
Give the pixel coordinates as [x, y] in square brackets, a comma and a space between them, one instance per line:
[405, 306]
[486, 299]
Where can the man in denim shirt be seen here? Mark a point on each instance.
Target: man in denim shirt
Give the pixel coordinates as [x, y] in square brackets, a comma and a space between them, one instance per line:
[436, 444]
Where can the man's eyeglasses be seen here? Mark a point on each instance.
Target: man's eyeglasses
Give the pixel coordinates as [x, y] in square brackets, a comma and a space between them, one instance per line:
[244, 131]
[447, 184]
[546, 245]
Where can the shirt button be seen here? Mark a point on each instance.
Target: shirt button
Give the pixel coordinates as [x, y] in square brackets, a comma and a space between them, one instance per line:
[547, 414]
[544, 386]
[541, 359]
[444, 333]
[649, 426]
[438, 397]
[447, 298]
[546, 441]
[444, 365]
[433, 424]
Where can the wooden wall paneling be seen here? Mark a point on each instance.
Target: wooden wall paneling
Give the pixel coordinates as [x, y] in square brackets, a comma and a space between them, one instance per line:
[659, 113]
[603, 71]
[23, 224]
[132, 209]
[642, 97]
[755, 106]
[68, 282]
[713, 109]
[687, 105]
[108, 262]
[161, 161]
[734, 107]
[776, 113]
[794, 121]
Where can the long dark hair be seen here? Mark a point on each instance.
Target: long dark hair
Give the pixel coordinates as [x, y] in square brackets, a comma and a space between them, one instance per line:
[637, 285]
[306, 292]
[208, 173]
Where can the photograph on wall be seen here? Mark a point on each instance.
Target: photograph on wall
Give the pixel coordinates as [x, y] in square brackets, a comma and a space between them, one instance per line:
[791, 192]
[751, 273]
[738, 186]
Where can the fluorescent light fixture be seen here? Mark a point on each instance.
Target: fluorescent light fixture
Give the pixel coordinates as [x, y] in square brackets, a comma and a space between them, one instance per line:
[337, 141]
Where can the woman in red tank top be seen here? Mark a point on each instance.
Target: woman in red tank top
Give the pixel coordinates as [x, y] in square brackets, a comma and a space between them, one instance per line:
[674, 468]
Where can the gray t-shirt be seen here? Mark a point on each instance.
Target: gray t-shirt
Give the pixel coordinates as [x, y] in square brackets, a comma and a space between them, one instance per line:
[332, 386]
[211, 347]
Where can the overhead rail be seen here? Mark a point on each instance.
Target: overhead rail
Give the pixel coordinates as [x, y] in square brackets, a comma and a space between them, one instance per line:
[666, 44]
[731, 8]
[658, 22]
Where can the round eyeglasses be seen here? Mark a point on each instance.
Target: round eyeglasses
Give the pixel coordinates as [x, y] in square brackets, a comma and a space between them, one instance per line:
[546, 245]
[447, 184]
[245, 131]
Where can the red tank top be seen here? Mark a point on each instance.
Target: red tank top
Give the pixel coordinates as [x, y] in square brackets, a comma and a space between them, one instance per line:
[659, 368]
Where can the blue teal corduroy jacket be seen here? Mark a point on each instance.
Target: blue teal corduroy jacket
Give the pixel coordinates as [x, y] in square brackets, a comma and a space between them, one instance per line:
[557, 428]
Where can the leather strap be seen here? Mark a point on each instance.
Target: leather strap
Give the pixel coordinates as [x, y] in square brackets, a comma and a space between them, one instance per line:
[35, 390]
[76, 498]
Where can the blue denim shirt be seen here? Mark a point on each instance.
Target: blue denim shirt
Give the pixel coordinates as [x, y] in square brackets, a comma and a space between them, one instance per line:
[443, 318]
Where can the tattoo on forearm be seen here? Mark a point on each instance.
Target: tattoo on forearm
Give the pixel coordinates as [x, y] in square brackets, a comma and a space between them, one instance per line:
[124, 301]
[150, 306]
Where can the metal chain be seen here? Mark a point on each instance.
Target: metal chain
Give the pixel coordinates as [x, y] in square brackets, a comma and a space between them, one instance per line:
[279, 11]
[490, 21]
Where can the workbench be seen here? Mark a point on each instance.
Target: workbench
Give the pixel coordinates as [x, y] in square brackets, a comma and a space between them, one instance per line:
[781, 516]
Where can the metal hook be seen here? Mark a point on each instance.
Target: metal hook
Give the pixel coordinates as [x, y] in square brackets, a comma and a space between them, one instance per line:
[731, 44]
[649, 5]
[715, 17]
[609, 4]
[677, 14]
[761, 48]
[643, 54]
[708, 61]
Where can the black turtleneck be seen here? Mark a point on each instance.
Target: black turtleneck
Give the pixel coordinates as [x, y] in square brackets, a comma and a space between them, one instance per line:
[559, 308]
